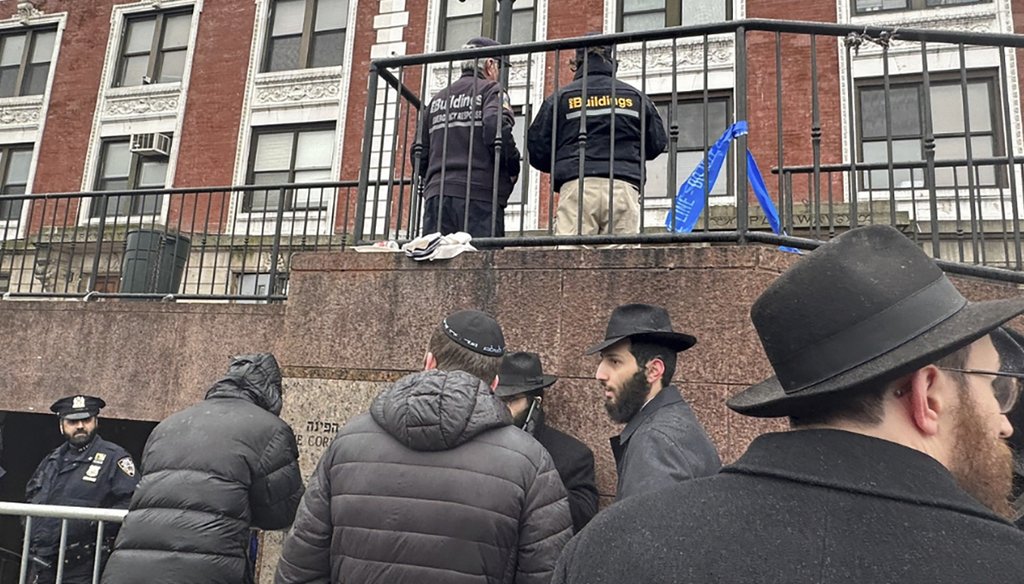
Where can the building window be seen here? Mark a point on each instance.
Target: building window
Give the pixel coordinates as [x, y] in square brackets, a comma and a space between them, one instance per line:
[464, 20]
[25, 61]
[14, 164]
[305, 34]
[869, 6]
[640, 15]
[296, 155]
[518, 196]
[153, 48]
[949, 126]
[691, 146]
[122, 170]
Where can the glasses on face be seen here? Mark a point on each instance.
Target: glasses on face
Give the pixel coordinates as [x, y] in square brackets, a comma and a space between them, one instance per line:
[1006, 386]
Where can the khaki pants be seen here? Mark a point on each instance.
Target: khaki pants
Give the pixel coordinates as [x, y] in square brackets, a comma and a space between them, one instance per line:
[597, 218]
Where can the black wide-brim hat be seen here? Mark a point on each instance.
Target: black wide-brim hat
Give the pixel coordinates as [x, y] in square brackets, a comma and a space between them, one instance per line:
[862, 310]
[521, 372]
[651, 323]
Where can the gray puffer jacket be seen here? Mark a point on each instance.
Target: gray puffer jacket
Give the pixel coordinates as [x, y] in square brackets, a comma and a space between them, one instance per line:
[209, 473]
[433, 485]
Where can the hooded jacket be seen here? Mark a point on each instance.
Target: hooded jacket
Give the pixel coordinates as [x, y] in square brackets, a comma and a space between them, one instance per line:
[458, 131]
[209, 474]
[637, 123]
[432, 485]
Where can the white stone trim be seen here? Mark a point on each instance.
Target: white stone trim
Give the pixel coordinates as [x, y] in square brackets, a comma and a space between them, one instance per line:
[294, 97]
[143, 108]
[905, 59]
[23, 118]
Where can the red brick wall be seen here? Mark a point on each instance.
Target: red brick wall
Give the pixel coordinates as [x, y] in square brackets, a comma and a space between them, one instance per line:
[797, 91]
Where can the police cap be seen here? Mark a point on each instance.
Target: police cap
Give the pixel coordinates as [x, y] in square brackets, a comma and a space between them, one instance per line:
[77, 407]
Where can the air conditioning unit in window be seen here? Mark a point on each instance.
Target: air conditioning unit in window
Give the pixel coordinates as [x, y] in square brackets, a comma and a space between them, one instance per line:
[151, 144]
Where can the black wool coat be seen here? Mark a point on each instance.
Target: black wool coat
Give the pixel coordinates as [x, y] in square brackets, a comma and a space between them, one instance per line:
[210, 473]
[803, 507]
[433, 485]
[575, 464]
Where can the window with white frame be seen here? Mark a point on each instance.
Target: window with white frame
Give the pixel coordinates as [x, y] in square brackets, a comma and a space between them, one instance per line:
[871, 6]
[121, 170]
[153, 48]
[640, 15]
[285, 156]
[463, 20]
[14, 164]
[692, 143]
[305, 34]
[25, 61]
[902, 125]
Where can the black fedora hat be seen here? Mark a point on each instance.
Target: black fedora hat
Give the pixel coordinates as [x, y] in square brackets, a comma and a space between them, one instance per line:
[521, 372]
[650, 322]
[861, 310]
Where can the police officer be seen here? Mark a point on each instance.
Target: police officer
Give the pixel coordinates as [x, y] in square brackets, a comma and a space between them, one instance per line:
[461, 130]
[85, 471]
[638, 129]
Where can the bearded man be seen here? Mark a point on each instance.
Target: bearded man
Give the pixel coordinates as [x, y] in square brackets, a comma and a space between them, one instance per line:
[85, 471]
[662, 443]
[896, 468]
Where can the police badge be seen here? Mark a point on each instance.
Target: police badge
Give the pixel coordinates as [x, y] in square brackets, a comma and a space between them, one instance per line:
[127, 466]
[78, 403]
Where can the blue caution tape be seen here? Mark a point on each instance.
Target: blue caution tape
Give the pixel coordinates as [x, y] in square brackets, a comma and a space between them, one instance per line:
[690, 201]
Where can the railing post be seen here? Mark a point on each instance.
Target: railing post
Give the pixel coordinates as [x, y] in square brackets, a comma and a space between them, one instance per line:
[23, 571]
[275, 248]
[362, 191]
[742, 207]
[99, 241]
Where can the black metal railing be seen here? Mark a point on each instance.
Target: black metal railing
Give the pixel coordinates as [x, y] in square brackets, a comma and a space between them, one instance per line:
[852, 125]
[220, 243]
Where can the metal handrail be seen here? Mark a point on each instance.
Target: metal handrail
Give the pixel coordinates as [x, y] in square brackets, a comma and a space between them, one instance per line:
[28, 511]
[62, 512]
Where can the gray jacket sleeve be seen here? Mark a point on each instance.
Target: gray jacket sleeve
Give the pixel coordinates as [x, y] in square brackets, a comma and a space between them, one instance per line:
[277, 488]
[306, 553]
[546, 525]
[654, 461]
[563, 570]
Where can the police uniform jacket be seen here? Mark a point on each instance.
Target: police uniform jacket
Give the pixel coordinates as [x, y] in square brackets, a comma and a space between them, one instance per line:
[662, 445]
[637, 125]
[210, 472]
[574, 462]
[433, 485]
[803, 507]
[458, 131]
[102, 474]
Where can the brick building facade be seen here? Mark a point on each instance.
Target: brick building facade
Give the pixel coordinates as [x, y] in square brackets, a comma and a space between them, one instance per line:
[119, 95]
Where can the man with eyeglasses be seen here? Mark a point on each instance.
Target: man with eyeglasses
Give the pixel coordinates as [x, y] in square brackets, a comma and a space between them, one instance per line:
[896, 468]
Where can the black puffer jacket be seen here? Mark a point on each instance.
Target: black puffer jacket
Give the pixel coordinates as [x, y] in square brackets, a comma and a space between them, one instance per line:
[211, 472]
[433, 485]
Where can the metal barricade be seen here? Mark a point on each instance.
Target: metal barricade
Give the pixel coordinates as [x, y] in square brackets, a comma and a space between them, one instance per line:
[65, 514]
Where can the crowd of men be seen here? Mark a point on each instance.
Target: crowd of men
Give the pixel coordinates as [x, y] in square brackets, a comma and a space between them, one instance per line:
[897, 467]
[593, 136]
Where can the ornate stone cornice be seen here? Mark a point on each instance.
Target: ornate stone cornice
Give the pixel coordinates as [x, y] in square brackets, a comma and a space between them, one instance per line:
[297, 87]
[143, 100]
[21, 112]
[689, 55]
[26, 11]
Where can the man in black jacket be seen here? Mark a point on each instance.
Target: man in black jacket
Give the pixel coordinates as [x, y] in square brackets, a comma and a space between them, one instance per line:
[662, 443]
[897, 468]
[434, 484]
[211, 472]
[465, 136]
[623, 130]
[521, 385]
[85, 471]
